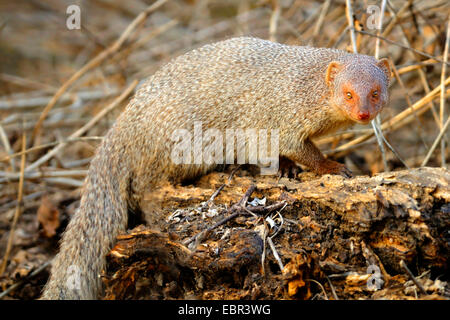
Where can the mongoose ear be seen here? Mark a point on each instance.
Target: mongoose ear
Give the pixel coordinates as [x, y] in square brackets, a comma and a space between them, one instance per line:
[384, 65]
[332, 70]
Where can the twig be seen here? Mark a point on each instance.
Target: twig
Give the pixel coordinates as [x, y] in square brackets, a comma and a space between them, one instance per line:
[26, 103]
[242, 203]
[261, 210]
[25, 82]
[28, 277]
[332, 289]
[9, 176]
[351, 24]
[238, 209]
[373, 259]
[394, 20]
[144, 40]
[420, 72]
[402, 46]
[376, 122]
[200, 236]
[50, 144]
[83, 129]
[417, 283]
[380, 25]
[65, 182]
[76, 163]
[442, 100]
[203, 34]
[18, 208]
[408, 101]
[345, 152]
[416, 66]
[216, 193]
[264, 239]
[338, 36]
[52, 124]
[116, 46]
[307, 23]
[269, 238]
[26, 199]
[7, 146]
[380, 138]
[394, 151]
[322, 15]
[274, 17]
[275, 253]
[320, 285]
[436, 142]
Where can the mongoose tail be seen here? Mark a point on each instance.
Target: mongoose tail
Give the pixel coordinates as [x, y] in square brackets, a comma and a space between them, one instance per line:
[77, 267]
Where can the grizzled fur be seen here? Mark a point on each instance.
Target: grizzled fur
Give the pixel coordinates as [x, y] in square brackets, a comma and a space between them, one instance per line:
[238, 83]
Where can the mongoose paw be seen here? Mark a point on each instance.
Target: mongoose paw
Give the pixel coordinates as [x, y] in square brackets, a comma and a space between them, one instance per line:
[333, 167]
[345, 172]
[288, 168]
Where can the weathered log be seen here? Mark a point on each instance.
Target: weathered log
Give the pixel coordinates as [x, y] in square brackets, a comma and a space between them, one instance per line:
[341, 238]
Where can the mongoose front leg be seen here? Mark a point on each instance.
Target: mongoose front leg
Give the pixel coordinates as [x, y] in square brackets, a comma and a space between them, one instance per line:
[310, 156]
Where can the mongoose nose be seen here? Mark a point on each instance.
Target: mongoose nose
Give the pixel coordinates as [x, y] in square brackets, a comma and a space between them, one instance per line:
[363, 115]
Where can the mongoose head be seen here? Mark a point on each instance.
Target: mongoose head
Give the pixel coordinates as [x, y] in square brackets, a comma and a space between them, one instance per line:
[359, 87]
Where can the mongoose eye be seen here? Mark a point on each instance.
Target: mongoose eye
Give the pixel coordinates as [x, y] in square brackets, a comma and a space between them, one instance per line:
[349, 95]
[375, 94]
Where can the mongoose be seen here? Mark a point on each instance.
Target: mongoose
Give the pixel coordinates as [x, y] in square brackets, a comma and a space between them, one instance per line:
[242, 82]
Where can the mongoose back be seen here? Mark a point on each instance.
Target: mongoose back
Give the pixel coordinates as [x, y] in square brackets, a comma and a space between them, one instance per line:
[243, 82]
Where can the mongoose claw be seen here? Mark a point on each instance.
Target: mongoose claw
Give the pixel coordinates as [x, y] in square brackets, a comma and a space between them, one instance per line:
[288, 168]
[346, 173]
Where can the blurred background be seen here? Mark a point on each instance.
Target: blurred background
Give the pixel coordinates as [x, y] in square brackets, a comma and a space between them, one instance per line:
[39, 53]
[66, 63]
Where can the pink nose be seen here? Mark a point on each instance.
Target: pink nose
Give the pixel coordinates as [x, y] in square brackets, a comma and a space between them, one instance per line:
[363, 115]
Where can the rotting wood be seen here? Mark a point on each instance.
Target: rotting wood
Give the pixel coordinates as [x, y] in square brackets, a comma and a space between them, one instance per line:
[334, 228]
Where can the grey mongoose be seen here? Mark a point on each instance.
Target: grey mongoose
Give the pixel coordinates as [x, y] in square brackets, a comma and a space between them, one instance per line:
[244, 82]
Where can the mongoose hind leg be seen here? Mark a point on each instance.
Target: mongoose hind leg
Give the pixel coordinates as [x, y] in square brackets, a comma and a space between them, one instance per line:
[288, 168]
